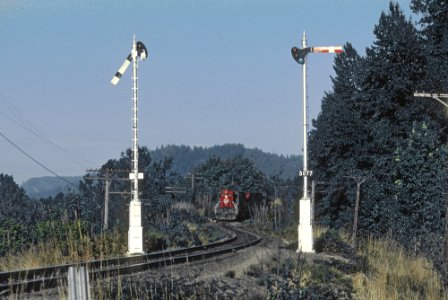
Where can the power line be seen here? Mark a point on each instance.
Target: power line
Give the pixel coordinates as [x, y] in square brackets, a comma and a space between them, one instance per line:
[36, 161]
[18, 118]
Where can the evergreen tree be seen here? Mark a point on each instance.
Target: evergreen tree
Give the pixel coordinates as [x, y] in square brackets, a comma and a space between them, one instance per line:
[15, 204]
[396, 62]
[365, 121]
[394, 66]
[238, 174]
[420, 186]
[186, 158]
[337, 138]
[17, 216]
[434, 29]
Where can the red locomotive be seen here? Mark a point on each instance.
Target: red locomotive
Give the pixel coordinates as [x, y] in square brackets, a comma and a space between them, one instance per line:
[233, 206]
[227, 206]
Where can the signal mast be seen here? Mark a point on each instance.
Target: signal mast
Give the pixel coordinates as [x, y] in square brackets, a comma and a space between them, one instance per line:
[305, 227]
[135, 233]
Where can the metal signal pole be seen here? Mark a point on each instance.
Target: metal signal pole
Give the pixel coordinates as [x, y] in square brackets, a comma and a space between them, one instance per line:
[305, 227]
[305, 125]
[135, 233]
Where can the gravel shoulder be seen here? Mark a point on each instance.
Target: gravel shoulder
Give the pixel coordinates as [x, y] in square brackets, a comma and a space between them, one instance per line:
[236, 275]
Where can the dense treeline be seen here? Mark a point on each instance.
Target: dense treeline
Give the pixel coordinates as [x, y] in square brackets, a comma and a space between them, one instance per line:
[24, 222]
[184, 160]
[171, 203]
[372, 129]
[187, 158]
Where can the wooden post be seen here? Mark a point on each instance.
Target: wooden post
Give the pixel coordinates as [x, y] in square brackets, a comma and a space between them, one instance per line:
[313, 199]
[106, 203]
[445, 235]
[359, 180]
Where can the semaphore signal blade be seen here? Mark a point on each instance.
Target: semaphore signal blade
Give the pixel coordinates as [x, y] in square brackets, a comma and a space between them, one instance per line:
[122, 69]
[142, 52]
[331, 49]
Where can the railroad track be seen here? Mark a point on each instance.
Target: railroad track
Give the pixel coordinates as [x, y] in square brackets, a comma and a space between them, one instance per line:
[26, 281]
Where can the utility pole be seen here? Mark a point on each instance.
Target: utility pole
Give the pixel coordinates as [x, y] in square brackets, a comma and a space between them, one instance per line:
[107, 183]
[305, 228]
[193, 178]
[359, 180]
[135, 233]
[313, 197]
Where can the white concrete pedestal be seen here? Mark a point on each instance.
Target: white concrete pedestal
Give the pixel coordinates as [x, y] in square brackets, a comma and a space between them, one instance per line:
[305, 229]
[135, 234]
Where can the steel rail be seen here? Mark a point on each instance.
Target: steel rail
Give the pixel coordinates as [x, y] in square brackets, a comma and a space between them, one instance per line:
[50, 277]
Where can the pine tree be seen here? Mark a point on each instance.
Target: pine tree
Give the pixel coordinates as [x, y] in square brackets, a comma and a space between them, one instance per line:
[14, 203]
[396, 60]
[434, 30]
[394, 66]
[238, 174]
[337, 138]
[365, 120]
[420, 185]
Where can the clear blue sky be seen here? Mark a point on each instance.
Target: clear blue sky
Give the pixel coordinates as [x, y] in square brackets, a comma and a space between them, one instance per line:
[218, 72]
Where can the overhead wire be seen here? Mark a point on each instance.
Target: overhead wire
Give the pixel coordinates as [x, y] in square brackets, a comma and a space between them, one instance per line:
[16, 117]
[36, 161]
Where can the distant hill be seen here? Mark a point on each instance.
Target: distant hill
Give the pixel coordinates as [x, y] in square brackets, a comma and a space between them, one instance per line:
[41, 187]
[186, 158]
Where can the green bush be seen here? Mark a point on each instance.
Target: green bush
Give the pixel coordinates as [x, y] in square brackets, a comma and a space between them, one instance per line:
[331, 242]
[154, 240]
[230, 273]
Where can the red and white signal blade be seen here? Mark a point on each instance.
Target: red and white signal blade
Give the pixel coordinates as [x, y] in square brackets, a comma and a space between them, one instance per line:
[331, 49]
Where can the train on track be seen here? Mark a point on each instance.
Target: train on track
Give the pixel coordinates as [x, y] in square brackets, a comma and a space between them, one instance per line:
[236, 206]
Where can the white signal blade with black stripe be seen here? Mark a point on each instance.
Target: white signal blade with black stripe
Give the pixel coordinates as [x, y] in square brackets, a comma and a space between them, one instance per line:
[122, 69]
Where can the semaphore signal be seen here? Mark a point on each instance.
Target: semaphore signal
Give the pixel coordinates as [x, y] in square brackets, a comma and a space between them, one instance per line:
[300, 54]
[135, 233]
[142, 52]
[305, 228]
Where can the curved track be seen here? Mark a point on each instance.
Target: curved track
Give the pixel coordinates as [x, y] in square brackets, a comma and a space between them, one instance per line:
[50, 277]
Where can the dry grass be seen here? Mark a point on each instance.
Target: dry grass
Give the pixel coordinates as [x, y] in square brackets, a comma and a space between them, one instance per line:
[76, 247]
[318, 231]
[44, 254]
[392, 273]
[261, 218]
[395, 274]
[182, 205]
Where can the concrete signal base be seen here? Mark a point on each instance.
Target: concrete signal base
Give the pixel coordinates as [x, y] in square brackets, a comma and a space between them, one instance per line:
[305, 229]
[135, 234]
